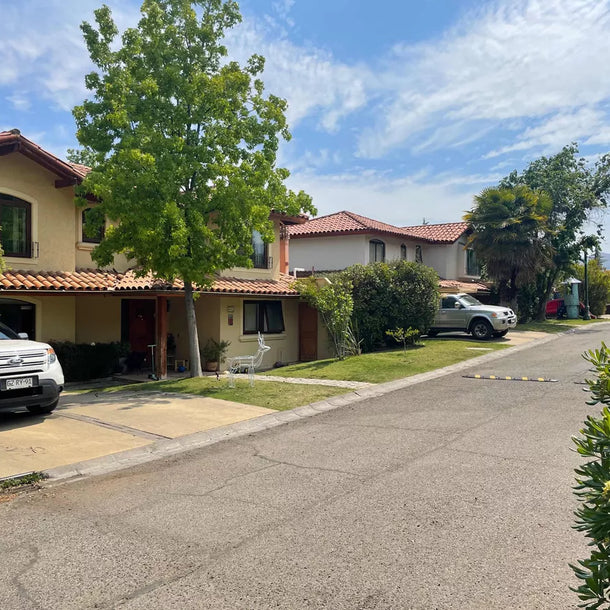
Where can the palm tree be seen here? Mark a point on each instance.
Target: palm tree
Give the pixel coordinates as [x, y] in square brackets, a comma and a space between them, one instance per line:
[509, 235]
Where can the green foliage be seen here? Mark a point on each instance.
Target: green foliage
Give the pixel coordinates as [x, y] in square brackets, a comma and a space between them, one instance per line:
[593, 489]
[575, 189]
[26, 479]
[83, 361]
[406, 337]
[335, 304]
[599, 286]
[391, 295]
[183, 145]
[506, 225]
[215, 351]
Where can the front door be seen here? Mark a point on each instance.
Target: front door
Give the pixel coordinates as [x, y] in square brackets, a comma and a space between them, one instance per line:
[308, 333]
[141, 328]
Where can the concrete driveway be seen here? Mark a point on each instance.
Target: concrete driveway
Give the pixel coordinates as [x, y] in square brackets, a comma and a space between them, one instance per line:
[87, 426]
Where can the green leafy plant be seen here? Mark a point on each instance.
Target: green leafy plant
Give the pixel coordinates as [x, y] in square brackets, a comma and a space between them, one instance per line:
[215, 351]
[406, 337]
[26, 479]
[593, 489]
[83, 361]
[335, 304]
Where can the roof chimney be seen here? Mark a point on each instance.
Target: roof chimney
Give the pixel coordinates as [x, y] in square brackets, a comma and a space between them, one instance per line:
[15, 132]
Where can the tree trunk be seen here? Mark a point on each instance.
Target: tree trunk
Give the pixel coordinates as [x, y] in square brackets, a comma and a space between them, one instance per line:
[191, 325]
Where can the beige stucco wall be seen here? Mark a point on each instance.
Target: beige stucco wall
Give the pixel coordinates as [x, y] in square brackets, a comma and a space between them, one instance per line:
[98, 319]
[53, 219]
[274, 253]
[55, 318]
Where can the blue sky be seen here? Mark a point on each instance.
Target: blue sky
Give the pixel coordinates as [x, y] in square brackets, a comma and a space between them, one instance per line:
[399, 110]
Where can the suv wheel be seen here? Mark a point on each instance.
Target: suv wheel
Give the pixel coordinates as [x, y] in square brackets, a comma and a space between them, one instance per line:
[481, 329]
[36, 410]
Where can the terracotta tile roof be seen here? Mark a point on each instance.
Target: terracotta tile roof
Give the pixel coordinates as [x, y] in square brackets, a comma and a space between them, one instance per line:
[345, 223]
[97, 280]
[457, 286]
[13, 141]
[444, 233]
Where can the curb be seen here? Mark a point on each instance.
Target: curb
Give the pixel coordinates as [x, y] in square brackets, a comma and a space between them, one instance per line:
[170, 447]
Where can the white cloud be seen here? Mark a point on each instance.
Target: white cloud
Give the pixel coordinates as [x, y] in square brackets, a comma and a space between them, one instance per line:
[510, 60]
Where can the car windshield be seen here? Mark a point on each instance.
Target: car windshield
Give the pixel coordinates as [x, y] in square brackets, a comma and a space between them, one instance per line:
[470, 300]
[7, 333]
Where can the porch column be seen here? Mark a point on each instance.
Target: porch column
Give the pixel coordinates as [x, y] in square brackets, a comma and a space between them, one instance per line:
[284, 251]
[161, 356]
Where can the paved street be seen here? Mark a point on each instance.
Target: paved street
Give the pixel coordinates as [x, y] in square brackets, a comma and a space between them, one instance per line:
[454, 493]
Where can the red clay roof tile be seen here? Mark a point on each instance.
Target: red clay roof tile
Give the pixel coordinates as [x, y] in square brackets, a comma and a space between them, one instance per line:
[345, 223]
[94, 280]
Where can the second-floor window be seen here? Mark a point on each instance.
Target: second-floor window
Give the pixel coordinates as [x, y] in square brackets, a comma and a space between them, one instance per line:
[472, 265]
[99, 235]
[403, 252]
[376, 251]
[16, 226]
[260, 257]
[419, 257]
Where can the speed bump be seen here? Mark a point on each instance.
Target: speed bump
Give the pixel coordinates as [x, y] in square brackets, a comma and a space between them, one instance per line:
[507, 378]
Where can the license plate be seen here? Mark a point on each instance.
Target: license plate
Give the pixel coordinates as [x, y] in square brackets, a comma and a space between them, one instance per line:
[18, 384]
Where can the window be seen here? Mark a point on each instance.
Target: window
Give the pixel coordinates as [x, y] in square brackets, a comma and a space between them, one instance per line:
[418, 255]
[99, 235]
[16, 226]
[472, 265]
[259, 255]
[376, 251]
[403, 252]
[263, 317]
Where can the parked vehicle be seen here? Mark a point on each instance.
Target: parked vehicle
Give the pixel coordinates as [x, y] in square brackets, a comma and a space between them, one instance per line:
[556, 308]
[30, 375]
[462, 312]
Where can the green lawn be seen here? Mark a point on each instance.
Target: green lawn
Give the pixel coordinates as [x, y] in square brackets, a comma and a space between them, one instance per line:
[378, 367]
[270, 394]
[557, 326]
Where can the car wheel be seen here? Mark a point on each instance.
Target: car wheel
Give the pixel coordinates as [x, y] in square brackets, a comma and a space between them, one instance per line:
[432, 333]
[501, 333]
[481, 329]
[37, 410]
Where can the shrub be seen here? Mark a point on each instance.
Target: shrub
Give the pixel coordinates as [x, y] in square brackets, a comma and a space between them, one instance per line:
[599, 286]
[391, 295]
[335, 305]
[82, 361]
[593, 489]
[406, 337]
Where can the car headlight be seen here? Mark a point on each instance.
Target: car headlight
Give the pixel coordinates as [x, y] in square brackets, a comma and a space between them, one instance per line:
[494, 315]
[51, 355]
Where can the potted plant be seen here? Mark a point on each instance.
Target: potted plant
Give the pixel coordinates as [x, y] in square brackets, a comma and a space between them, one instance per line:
[214, 353]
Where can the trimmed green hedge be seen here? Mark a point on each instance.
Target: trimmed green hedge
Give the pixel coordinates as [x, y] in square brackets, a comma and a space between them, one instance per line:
[83, 361]
[391, 295]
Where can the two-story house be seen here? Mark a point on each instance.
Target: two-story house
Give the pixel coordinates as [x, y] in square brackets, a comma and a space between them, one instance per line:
[52, 290]
[336, 241]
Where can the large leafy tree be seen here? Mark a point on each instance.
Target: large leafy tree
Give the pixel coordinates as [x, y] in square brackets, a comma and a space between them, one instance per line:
[184, 145]
[576, 189]
[507, 235]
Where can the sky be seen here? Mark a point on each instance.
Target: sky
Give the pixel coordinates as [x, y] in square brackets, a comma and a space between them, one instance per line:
[399, 110]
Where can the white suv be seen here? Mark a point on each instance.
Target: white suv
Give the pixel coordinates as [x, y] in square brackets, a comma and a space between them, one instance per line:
[30, 374]
[465, 313]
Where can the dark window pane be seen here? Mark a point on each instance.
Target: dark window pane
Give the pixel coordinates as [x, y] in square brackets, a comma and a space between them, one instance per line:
[263, 317]
[376, 251]
[99, 235]
[250, 318]
[15, 219]
[403, 252]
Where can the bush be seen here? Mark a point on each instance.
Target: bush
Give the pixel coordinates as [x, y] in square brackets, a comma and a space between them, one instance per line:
[83, 361]
[391, 295]
[593, 489]
[599, 286]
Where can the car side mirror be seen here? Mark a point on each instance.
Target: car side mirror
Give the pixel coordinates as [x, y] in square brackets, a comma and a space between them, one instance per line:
[23, 336]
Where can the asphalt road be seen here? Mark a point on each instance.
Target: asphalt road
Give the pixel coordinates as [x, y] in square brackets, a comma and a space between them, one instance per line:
[455, 493]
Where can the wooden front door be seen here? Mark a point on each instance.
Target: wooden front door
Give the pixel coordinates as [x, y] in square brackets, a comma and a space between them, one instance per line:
[308, 333]
[142, 326]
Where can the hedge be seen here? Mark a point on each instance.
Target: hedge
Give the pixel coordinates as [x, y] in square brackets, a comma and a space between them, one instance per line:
[83, 361]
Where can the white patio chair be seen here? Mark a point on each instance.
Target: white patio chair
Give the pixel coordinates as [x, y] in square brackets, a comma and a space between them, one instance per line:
[250, 363]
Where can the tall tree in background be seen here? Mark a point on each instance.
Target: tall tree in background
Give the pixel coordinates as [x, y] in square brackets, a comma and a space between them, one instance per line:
[575, 190]
[184, 144]
[507, 228]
